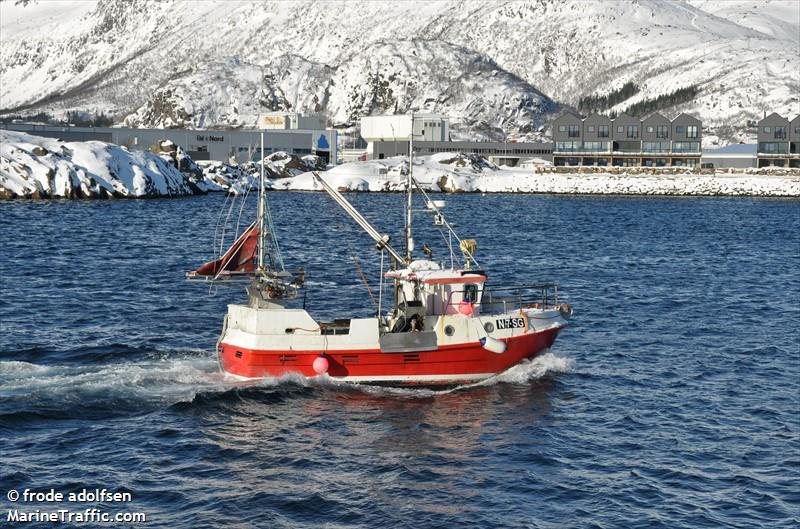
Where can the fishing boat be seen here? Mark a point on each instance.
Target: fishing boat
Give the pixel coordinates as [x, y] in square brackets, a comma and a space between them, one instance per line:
[444, 324]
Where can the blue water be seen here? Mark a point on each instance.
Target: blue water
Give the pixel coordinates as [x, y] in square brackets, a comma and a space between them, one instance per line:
[672, 401]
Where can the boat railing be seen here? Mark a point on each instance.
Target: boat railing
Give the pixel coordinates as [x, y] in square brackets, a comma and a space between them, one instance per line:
[505, 299]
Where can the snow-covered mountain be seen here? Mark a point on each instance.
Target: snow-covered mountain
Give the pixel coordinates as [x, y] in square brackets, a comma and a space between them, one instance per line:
[494, 66]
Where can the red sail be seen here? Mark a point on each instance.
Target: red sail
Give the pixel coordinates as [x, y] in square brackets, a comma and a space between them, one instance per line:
[240, 257]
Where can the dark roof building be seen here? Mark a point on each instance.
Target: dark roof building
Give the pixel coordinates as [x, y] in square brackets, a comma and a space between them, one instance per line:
[773, 141]
[794, 142]
[627, 140]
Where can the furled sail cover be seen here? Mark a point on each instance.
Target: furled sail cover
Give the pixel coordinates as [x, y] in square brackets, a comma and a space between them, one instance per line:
[240, 257]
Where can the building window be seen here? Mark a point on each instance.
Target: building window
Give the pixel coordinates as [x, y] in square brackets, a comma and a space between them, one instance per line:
[691, 131]
[567, 146]
[650, 129]
[771, 147]
[595, 146]
[620, 129]
[685, 146]
[602, 131]
[780, 133]
[562, 128]
[680, 129]
[590, 128]
[767, 129]
[655, 146]
[574, 131]
[633, 131]
[662, 131]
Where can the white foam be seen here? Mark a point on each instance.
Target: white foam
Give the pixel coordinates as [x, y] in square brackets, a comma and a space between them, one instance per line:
[169, 380]
[181, 378]
[529, 370]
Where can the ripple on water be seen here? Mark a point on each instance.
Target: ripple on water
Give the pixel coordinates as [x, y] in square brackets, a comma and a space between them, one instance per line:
[670, 402]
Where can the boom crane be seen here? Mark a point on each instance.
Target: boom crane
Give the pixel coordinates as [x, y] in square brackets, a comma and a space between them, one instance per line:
[381, 240]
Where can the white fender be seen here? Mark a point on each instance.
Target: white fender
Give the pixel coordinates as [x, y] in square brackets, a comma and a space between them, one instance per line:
[493, 344]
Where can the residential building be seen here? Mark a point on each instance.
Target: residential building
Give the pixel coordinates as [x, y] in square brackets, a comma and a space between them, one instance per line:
[627, 141]
[773, 141]
[567, 139]
[686, 141]
[656, 140]
[596, 145]
[794, 142]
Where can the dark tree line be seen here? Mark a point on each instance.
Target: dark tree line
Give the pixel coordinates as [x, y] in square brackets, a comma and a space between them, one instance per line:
[681, 95]
[74, 117]
[82, 119]
[41, 117]
[597, 103]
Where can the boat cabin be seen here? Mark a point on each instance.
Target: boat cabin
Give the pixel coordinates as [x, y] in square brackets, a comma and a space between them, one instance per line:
[426, 289]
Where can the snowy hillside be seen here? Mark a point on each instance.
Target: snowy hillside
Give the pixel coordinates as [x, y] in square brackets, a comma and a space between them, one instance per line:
[495, 67]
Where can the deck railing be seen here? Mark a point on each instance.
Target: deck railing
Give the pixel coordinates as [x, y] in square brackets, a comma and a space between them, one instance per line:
[516, 297]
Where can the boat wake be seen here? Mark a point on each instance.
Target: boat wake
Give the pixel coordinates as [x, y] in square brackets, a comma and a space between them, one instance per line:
[124, 388]
[104, 389]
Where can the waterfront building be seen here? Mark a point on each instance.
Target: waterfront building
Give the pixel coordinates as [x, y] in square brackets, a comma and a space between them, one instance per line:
[239, 145]
[794, 142]
[735, 156]
[627, 141]
[773, 141]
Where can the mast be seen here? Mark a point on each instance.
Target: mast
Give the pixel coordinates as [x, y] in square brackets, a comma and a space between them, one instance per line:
[409, 238]
[261, 211]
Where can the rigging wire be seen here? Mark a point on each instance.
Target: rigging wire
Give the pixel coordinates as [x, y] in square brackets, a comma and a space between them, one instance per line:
[364, 279]
[241, 208]
[449, 227]
[276, 249]
[219, 237]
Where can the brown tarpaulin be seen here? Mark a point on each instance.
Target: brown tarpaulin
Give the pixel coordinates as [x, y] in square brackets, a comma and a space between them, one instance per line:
[240, 257]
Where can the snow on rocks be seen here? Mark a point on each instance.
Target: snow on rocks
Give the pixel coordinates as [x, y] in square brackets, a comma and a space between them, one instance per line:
[220, 176]
[281, 164]
[38, 167]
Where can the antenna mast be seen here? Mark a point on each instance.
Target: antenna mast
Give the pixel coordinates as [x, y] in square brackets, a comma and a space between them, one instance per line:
[261, 210]
[409, 238]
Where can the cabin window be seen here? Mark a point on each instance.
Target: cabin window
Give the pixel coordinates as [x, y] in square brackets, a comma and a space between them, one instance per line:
[471, 293]
[449, 330]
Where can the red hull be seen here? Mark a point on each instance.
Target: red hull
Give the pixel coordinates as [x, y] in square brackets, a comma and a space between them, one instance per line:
[442, 366]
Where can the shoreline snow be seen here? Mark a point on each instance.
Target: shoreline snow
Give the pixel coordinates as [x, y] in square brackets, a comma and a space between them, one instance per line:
[33, 167]
[459, 173]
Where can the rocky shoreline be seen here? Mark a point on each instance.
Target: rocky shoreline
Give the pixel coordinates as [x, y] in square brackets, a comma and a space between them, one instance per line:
[33, 167]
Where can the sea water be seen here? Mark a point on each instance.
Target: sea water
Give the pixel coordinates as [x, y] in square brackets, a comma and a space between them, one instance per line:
[671, 401]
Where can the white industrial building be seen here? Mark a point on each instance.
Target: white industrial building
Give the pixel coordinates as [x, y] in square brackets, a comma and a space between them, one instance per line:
[427, 127]
[737, 156]
[282, 132]
[388, 136]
